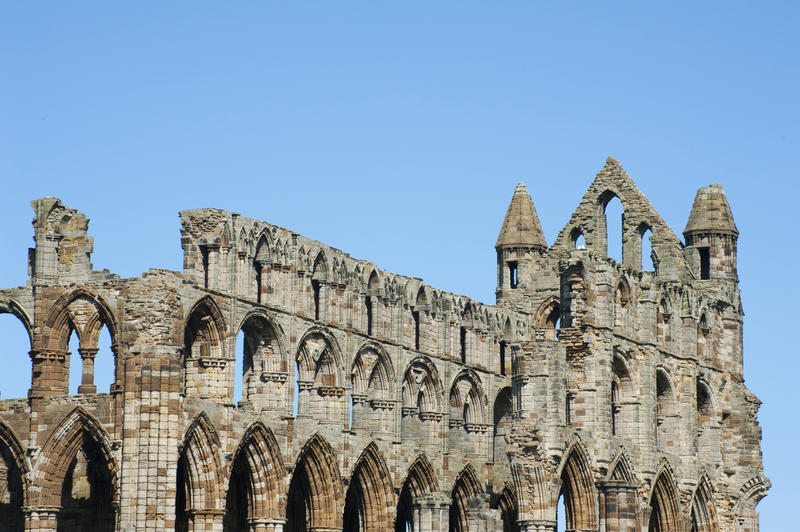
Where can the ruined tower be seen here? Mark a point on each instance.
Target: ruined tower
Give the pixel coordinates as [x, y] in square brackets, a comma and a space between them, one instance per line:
[371, 401]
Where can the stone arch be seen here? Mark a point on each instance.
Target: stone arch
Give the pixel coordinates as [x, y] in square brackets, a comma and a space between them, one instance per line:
[77, 472]
[18, 364]
[547, 318]
[578, 488]
[509, 511]
[257, 480]
[370, 498]
[703, 516]
[371, 302]
[750, 494]
[420, 481]
[605, 199]
[663, 319]
[373, 388]
[265, 363]
[622, 469]
[622, 396]
[665, 511]
[666, 408]
[503, 410]
[199, 476]
[204, 362]
[422, 389]
[60, 321]
[315, 489]
[623, 302]
[320, 377]
[467, 400]
[465, 487]
[374, 283]
[261, 263]
[577, 238]
[14, 480]
[9, 306]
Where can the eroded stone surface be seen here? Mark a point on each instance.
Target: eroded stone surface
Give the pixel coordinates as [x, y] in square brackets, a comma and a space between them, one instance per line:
[372, 401]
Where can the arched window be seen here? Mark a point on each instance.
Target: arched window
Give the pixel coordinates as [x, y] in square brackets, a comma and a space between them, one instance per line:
[260, 265]
[614, 216]
[646, 261]
[666, 411]
[75, 363]
[622, 304]
[577, 238]
[319, 279]
[503, 408]
[420, 305]
[16, 361]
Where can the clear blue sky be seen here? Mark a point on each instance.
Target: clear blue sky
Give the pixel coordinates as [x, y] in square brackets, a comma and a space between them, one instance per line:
[397, 131]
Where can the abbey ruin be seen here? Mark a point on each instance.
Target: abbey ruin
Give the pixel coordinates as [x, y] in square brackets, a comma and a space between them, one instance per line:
[373, 402]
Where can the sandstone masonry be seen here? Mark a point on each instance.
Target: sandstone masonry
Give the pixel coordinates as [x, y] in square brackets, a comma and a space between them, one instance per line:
[372, 401]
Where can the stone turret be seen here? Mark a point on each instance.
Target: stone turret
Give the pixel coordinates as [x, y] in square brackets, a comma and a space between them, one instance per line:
[520, 243]
[711, 235]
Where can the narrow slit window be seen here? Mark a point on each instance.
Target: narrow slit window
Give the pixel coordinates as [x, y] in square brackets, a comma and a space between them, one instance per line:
[512, 274]
[204, 254]
[315, 288]
[463, 344]
[415, 315]
[705, 263]
[368, 303]
[502, 358]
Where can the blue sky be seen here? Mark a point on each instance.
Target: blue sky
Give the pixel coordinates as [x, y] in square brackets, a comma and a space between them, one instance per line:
[397, 132]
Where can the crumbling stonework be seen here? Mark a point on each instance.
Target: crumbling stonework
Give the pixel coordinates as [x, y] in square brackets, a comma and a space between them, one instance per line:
[372, 401]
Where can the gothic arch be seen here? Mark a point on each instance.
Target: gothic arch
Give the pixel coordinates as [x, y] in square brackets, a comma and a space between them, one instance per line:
[315, 489]
[703, 513]
[265, 361]
[420, 480]
[319, 357]
[79, 449]
[622, 469]
[199, 462]
[15, 480]
[665, 511]
[59, 322]
[465, 488]
[578, 488]
[548, 316]
[205, 318]
[422, 388]
[372, 372]
[319, 271]
[204, 362]
[257, 479]
[9, 306]
[623, 302]
[370, 498]
[509, 512]
[467, 400]
[750, 494]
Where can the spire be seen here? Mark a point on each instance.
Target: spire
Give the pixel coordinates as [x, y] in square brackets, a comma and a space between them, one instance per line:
[521, 225]
[711, 213]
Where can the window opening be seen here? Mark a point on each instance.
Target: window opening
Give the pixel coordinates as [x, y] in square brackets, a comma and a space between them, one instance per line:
[258, 281]
[561, 513]
[75, 363]
[705, 263]
[368, 304]
[647, 252]
[580, 242]
[415, 315]
[17, 370]
[463, 344]
[104, 371]
[512, 274]
[315, 288]
[238, 372]
[502, 358]
[569, 408]
[615, 406]
[614, 216]
[204, 254]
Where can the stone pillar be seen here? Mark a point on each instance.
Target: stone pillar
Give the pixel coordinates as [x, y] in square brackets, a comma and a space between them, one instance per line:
[41, 518]
[480, 518]
[431, 513]
[618, 504]
[87, 372]
[266, 524]
[50, 373]
[533, 525]
[205, 520]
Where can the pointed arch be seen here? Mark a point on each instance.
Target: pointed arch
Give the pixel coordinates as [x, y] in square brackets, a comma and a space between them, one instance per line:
[622, 302]
[467, 400]
[60, 322]
[370, 497]
[9, 306]
[548, 316]
[319, 358]
[665, 511]
[466, 487]
[261, 262]
[204, 361]
[503, 410]
[666, 408]
[422, 389]
[77, 472]
[319, 270]
[200, 464]
[420, 480]
[750, 494]
[374, 283]
[622, 469]
[264, 362]
[703, 513]
[315, 489]
[373, 388]
[256, 485]
[14, 482]
[509, 510]
[578, 488]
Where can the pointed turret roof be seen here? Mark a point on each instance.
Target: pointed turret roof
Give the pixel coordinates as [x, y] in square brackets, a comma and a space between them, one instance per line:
[521, 225]
[711, 212]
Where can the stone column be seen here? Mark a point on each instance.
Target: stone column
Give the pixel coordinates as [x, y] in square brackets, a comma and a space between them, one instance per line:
[87, 371]
[41, 518]
[618, 506]
[533, 525]
[266, 524]
[432, 513]
[205, 520]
